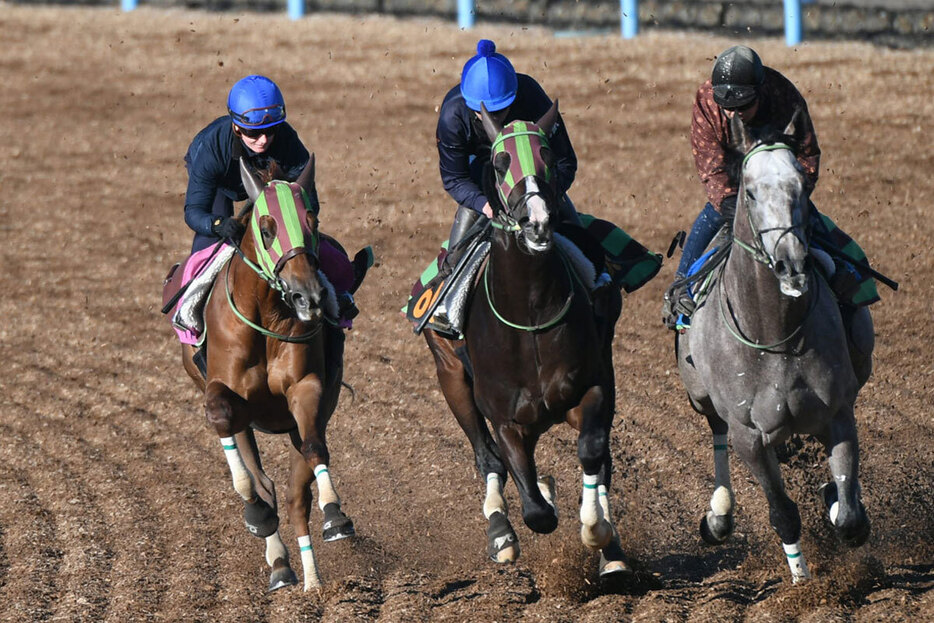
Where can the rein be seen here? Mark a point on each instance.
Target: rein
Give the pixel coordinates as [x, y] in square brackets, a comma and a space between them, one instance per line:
[539, 327]
[307, 337]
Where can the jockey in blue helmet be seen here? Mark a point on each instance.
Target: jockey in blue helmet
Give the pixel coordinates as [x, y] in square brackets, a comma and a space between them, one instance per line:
[464, 148]
[255, 128]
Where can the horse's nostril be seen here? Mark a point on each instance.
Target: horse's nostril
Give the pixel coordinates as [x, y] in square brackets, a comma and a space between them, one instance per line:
[780, 267]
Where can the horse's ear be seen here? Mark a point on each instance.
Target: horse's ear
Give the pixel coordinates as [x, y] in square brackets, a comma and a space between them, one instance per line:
[492, 128]
[549, 121]
[251, 181]
[790, 128]
[306, 178]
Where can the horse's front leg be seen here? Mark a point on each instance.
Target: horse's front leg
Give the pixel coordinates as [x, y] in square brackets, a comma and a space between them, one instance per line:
[312, 419]
[518, 447]
[277, 555]
[502, 543]
[717, 524]
[783, 512]
[842, 496]
[226, 411]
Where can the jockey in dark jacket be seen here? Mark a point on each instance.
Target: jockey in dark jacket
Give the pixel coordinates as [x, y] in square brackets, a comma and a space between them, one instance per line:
[464, 148]
[255, 129]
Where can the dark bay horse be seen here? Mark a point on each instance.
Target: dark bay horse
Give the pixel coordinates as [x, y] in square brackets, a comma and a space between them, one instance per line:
[767, 356]
[538, 352]
[275, 365]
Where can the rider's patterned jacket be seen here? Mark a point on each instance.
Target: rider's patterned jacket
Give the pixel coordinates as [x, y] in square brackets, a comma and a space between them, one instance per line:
[710, 134]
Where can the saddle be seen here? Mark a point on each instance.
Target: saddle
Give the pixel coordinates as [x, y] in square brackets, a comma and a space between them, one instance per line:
[596, 247]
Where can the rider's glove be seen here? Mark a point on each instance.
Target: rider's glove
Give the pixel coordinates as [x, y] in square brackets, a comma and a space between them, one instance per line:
[228, 228]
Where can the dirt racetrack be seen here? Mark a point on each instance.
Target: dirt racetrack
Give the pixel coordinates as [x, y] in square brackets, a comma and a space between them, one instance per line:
[115, 500]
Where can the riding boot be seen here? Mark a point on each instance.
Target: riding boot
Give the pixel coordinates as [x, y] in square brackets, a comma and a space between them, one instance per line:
[677, 299]
[464, 220]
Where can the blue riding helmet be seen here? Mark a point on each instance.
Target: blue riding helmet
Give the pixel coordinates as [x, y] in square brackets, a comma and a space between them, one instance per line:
[488, 78]
[256, 102]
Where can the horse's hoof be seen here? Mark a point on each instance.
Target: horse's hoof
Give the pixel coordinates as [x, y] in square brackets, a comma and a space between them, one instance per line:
[503, 545]
[597, 536]
[853, 535]
[544, 521]
[282, 577]
[715, 529]
[613, 561]
[337, 525]
[260, 518]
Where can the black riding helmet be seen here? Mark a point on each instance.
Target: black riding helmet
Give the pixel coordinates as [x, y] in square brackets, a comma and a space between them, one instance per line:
[736, 75]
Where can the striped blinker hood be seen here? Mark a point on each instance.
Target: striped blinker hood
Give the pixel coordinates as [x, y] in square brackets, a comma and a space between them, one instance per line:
[287, 204]
[523, 141]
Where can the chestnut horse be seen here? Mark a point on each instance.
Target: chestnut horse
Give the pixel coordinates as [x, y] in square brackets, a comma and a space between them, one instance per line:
[539, 352]
[275, 365]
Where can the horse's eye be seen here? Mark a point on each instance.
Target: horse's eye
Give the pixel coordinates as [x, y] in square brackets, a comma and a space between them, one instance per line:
[749, 195]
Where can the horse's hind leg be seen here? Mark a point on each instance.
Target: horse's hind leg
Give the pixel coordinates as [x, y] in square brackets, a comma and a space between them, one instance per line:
[783, 513]
[277, 555]
[298, 501]
[842, 496]
[717, 524]
[593, 446]
[502, 543]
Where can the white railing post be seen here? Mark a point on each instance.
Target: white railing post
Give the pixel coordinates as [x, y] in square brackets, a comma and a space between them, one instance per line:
[127, 5]
[629, 18]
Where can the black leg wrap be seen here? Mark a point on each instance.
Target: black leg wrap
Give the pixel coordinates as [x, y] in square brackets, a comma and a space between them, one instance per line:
[499, 535]
[260, 518]
[337, 525]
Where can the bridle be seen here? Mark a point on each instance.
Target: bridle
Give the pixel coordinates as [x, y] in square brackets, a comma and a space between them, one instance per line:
[757, 247]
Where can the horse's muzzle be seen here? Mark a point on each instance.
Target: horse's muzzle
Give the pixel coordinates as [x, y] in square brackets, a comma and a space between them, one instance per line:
[307, 306]
[538, 238]
[792, 277]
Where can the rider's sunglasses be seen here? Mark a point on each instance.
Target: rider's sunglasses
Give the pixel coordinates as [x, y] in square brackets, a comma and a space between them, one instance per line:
[255, 133]
[742, 108]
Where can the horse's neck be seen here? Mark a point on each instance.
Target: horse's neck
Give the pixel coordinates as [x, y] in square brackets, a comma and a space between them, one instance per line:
[752, 289]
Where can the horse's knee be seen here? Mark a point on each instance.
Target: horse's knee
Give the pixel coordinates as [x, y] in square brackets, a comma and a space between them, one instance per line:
[219, 409]
[592, 450]
[315, 452]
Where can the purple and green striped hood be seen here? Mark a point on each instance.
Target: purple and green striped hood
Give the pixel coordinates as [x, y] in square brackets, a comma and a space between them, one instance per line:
[287, 204]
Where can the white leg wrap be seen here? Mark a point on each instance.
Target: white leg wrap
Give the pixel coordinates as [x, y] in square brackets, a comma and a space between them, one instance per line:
[799, 568]
[591, 511]
[596, 531]
[326, 492]
[242, 481]
[275, 549]
[309, 565]
[494, 501]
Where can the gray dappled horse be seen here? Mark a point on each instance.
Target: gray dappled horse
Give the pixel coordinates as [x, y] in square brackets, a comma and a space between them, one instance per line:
[539, 355]
[766, 355]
